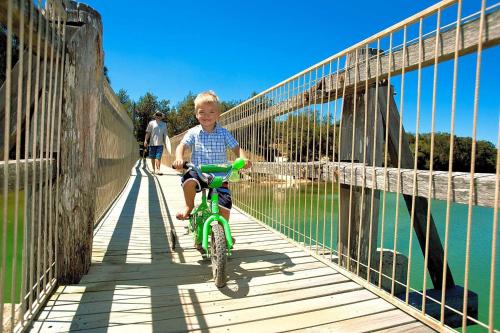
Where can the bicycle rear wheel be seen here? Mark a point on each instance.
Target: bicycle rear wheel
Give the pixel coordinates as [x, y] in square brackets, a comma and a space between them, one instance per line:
[218, 253]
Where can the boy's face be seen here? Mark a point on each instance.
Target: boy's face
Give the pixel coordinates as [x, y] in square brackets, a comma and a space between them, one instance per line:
[207, 114]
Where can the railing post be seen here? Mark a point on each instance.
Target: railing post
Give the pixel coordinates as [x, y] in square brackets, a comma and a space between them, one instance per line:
[83, 92]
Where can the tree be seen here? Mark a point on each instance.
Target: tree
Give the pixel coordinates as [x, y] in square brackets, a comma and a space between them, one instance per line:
[126, 101]
[183, 116]
[462, 151]
[144, 110]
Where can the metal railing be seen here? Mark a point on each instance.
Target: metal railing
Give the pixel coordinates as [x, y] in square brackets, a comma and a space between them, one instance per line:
[31, 117]
[117, 151]
[412, 217]
[38, 102]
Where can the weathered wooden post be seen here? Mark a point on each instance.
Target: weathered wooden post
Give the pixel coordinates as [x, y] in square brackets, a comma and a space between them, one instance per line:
[82, 99]
[436, 253]
[356, 212]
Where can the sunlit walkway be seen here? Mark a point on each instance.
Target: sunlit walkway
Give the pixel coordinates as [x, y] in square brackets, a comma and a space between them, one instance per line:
[137, 284]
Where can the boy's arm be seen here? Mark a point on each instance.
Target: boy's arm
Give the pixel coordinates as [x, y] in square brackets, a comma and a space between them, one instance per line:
[241, 153]
[179, 156]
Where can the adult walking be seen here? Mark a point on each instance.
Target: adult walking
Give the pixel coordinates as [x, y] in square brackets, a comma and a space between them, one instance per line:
[156, 138]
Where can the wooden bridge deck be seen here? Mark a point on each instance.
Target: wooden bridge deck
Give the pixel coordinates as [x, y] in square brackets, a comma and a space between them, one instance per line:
[137, 284]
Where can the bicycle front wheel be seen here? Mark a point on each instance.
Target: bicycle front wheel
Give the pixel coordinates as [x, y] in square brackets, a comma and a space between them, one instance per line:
[218, 249]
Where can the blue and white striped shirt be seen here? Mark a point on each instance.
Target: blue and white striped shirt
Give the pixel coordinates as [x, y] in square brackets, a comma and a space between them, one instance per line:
[209, 147]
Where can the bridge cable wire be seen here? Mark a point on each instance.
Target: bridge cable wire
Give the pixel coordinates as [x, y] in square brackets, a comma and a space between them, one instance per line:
[473, 167]
[450, 157]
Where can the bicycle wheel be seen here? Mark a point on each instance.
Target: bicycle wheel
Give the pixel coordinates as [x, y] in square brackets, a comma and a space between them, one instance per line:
[218, 251]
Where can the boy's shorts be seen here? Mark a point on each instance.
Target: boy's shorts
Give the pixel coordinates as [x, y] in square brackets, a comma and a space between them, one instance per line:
[225, 200]
[155, 152]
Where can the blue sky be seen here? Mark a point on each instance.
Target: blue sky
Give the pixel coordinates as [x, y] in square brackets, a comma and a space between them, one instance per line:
[236, 47]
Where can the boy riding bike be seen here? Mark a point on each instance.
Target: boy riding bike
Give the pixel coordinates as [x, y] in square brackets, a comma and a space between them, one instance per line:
[208, 143]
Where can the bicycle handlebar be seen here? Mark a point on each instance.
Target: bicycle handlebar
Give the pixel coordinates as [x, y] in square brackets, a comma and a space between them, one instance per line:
[238, 164]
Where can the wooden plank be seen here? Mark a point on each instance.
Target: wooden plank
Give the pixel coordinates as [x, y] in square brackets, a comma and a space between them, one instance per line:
[326, 90]
[45, 164]
[391, 320]
[414, 327]
[484, 183]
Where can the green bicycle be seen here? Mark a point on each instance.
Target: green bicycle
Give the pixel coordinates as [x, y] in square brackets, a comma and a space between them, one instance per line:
[205, 221]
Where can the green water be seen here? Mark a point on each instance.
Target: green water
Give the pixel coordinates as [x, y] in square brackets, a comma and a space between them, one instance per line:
[307, 209]
[7, 285]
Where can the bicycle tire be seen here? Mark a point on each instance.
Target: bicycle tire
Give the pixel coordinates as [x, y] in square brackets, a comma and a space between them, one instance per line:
[218, 249]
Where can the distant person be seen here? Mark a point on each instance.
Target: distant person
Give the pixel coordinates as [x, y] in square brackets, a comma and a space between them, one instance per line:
[208, 143]
[156, 138]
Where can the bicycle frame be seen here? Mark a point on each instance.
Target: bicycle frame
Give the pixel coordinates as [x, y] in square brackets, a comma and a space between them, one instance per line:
[203, 217]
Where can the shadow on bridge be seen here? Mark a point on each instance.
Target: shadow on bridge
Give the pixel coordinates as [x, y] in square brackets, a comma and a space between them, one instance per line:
[139, 281]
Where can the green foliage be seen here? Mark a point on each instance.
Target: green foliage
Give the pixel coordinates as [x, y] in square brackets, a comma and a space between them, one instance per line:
[462, 151]
[144, 110]
[306, 137]
[301, 137]
[126, 101]
[178, 119]
[183, 116]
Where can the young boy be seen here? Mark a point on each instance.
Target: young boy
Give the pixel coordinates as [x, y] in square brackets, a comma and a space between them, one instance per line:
[208, 143]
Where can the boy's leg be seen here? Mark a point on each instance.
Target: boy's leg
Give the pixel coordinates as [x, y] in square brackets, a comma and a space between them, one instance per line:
[226, 213]
[189, 188]
[225, 204]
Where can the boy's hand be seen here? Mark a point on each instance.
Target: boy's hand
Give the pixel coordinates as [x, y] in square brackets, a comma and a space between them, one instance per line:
[178, 164]
[248, 164]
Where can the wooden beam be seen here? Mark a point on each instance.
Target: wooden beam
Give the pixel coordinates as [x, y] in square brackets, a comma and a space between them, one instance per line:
[358, 220]
[17, 12]
[83, 95]
[332, 87]
[26, 165]
[14, 98]
[484, 183]
[469, 32]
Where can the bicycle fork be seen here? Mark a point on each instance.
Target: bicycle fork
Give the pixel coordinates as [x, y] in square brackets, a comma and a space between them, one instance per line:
[207, 228]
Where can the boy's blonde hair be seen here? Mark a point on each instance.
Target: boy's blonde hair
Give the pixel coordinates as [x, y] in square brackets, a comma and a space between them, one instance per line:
[206, 97]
